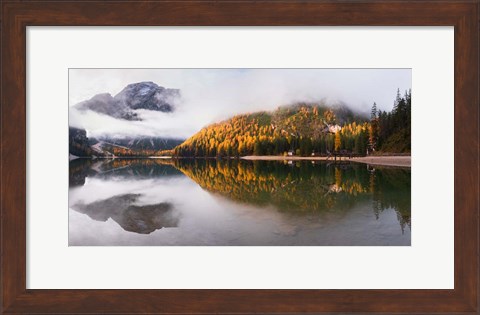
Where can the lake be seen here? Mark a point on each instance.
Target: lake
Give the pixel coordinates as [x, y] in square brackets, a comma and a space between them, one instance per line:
[161, 202]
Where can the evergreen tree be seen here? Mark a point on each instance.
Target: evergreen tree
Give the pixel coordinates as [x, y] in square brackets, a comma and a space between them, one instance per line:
[373, 130]
[397, 100]
[373, 114]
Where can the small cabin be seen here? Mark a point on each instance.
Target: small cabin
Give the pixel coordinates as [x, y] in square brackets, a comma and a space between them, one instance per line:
[290, 153]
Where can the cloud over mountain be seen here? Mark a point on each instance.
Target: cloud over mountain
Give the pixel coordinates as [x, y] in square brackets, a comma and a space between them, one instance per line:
[142, 95]
[211, 95]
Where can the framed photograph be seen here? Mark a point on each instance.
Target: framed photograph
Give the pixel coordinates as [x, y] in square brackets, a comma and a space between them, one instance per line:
[314, 171]
[240, 157]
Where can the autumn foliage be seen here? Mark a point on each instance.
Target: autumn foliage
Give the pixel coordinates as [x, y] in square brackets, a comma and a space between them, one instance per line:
[302, 129]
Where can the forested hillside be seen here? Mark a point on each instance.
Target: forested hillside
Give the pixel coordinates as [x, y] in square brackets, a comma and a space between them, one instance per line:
[305, 130]
[392, 130]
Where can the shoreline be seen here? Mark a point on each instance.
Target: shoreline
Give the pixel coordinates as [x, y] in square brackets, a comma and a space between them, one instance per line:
[387, 160]
[391, 160]
[400, 161]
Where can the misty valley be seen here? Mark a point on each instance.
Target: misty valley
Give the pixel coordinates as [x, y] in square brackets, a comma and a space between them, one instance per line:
[237, 202]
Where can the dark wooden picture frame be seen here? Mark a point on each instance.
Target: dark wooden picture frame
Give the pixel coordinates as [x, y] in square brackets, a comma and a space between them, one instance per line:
[17, 15]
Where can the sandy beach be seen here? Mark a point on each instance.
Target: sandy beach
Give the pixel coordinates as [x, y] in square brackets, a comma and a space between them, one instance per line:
[402, 161]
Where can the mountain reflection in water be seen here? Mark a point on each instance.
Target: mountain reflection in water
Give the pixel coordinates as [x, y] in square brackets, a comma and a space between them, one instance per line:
[237, 202]
[140, 219]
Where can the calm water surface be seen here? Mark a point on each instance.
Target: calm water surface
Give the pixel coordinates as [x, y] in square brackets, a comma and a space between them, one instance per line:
[231, 202]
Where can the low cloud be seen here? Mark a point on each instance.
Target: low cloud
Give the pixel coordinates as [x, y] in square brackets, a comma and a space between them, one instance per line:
[210, 95]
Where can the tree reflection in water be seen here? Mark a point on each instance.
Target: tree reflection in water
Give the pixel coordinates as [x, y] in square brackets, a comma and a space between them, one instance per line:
[304, 186]
[297, 189]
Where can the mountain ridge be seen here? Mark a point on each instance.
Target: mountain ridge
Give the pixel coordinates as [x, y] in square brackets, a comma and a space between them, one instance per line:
[142, 95]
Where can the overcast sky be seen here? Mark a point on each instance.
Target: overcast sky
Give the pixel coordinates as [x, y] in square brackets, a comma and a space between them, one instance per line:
[210, 95]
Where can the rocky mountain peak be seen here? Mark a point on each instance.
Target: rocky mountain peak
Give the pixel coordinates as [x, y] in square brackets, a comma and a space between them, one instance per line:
[141, 95]
[148, 95]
